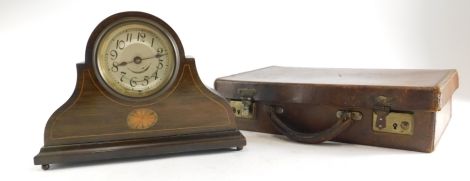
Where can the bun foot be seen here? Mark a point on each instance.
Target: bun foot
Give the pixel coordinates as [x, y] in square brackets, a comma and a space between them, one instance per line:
[45, 166]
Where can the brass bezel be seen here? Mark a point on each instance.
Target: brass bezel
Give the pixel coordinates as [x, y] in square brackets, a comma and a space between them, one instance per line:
[104, 76]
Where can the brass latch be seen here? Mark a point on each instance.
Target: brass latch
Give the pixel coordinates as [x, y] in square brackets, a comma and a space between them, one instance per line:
[381, 114]
[245, 108]
[387, 121]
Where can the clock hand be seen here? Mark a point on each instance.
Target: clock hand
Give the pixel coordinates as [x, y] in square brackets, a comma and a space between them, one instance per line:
[123, 63]
[160, 55]
[156, 56]
[137, 60]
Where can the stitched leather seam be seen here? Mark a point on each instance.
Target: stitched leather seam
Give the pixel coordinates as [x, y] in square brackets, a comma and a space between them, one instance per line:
[429, 133]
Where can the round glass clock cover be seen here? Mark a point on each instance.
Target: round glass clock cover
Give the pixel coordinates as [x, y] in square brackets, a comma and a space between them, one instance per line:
[135, 57]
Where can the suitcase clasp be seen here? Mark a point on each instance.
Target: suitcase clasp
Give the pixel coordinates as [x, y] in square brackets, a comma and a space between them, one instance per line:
[381, 113]
[382, 109]
[385, 120]
[245, 108]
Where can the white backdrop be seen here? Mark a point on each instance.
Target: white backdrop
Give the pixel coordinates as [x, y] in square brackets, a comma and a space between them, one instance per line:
[41, 41]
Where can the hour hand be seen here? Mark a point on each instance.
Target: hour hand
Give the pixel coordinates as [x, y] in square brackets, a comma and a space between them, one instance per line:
[122, 63]
[159, 55]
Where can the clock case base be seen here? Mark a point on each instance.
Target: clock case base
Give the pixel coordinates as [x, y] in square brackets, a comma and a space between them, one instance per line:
[210, 138]
[138, 147]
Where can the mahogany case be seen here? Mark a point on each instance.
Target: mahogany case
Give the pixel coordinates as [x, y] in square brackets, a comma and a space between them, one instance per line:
[96, 123]
[402, 109]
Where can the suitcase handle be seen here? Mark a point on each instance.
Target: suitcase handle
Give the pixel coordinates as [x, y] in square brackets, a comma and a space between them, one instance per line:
[343, 123]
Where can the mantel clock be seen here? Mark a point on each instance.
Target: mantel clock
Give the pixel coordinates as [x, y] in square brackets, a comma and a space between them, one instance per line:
[137, 94]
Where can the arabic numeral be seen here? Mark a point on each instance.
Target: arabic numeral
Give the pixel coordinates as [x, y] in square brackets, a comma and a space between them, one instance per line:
[132, 82]
[120, 44]
[115, 67]
[114, 55]
[146, 79]
[141, 36]
[159, 66]
[129, 37]
[122, 76]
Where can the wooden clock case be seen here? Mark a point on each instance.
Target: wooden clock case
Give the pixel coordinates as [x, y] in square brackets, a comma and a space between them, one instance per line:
[92, 124]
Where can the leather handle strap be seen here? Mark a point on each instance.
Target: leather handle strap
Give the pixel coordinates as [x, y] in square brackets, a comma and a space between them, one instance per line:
[343, 123]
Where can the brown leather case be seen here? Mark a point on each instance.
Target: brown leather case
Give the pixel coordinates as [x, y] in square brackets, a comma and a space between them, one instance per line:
[402, 109]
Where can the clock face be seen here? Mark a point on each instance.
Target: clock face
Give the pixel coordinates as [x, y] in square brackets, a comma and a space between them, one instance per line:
[135, 58]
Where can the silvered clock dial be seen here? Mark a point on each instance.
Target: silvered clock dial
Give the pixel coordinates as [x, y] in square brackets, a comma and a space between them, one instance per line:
[135, 58]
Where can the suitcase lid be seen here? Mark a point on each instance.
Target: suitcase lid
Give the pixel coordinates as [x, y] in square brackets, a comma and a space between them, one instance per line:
[400, 89]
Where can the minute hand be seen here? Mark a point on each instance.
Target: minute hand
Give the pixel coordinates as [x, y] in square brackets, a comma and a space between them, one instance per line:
[156, 56]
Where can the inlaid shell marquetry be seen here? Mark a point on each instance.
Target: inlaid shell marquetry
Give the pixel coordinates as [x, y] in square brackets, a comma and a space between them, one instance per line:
[142, 119]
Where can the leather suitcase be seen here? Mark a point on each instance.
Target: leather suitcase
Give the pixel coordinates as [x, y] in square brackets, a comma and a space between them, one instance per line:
[393, 108]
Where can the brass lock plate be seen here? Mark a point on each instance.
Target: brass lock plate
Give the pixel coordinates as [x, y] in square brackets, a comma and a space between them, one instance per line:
[398, 123]
[240, 111]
